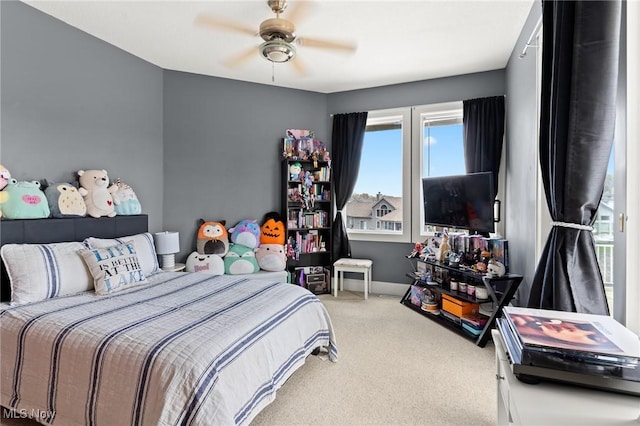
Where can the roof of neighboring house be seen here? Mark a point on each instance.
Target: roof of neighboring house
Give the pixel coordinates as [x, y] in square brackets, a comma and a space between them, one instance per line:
[362, 205]
[394, 216]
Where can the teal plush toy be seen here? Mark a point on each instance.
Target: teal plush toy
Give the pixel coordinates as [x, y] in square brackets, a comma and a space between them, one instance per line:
[240, 260]
[64, 200]
[25, 200]
[125, 200]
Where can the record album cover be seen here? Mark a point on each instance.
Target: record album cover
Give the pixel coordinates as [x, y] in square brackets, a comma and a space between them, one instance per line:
[572, 331]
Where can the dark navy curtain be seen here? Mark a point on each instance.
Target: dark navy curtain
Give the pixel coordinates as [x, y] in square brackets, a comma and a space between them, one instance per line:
[483, 122]
[580, 48]
[346, 143]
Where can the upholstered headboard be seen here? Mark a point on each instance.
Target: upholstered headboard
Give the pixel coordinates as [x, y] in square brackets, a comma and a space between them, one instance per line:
[50, 230]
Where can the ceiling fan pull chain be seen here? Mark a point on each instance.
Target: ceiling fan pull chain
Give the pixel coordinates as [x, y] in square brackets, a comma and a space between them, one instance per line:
[273, 72]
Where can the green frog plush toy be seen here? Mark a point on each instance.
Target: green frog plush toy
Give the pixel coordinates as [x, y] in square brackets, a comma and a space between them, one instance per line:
[25, 200]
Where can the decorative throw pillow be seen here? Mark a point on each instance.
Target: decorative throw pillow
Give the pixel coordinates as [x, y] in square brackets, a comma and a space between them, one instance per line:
[145, 249]
[114, 268]
[43, 271]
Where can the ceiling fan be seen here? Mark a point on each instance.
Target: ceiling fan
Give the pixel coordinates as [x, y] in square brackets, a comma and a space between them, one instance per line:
[278, 35]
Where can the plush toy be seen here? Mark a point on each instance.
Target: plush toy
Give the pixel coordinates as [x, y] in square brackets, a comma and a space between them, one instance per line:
[272, 230]
[94, 187]
[294, 170]
[65, 200]
[213, 238]
[125, 199]
[5, 176]
[495, 268]
[271, 257]
[205, 263]
[25, 200]
[246, 232]
[240, 260]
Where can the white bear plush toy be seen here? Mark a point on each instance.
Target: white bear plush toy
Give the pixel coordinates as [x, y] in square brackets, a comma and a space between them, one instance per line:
[94, 187]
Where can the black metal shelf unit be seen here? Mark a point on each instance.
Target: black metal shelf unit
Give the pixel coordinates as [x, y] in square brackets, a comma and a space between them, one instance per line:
[500, 290]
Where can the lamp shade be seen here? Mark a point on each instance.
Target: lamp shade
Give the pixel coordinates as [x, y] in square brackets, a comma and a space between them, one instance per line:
[167, 245]
[167, 242]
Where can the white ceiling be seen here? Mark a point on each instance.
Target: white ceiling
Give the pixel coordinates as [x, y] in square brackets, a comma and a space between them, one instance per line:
[397, 41]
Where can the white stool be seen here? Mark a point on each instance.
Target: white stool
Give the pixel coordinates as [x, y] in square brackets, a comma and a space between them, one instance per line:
[341, 266]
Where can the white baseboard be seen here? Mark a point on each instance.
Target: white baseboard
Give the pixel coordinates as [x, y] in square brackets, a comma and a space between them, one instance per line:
[377, 287]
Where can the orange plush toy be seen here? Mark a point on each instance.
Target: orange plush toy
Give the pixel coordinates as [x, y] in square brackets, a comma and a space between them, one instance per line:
[212, 238]
[272, 230]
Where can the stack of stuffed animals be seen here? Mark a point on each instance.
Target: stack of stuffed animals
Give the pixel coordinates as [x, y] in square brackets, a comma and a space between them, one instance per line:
[92, 195]
[251, 247]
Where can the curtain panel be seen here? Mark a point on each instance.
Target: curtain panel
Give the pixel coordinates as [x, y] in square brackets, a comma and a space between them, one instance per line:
[346, 143]
[579, 80]
[483, 123]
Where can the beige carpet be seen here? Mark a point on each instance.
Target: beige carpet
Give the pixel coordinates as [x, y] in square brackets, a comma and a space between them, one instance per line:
[395, 367]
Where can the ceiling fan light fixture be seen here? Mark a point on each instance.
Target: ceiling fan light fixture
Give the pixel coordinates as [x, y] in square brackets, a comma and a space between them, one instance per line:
[277, 50]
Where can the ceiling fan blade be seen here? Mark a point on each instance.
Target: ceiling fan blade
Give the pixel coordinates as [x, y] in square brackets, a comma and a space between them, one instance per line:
[211, 21]
[298, 11]
[299, 66]
[238, 59]
[326, 44]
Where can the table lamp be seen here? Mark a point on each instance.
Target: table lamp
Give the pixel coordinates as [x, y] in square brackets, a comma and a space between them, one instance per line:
[167, 245]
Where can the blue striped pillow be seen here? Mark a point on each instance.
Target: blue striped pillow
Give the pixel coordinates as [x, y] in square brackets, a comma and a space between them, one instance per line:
[43, 271]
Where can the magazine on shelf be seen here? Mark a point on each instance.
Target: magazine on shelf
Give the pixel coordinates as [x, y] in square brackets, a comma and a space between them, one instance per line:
[582, 335]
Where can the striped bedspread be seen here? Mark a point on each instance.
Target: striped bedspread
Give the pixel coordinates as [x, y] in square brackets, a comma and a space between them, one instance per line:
[187, 349]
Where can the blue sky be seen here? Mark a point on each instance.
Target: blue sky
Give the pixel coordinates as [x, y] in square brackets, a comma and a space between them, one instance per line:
[381, 163]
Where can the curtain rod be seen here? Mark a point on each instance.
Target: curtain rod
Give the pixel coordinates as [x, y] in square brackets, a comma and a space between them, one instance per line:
[533, 34]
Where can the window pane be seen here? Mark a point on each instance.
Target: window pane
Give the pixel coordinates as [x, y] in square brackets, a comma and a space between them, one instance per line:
[442, 151]
[376, 202]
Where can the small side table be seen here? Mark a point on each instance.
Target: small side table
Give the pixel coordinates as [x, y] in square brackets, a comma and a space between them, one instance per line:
[177, 268]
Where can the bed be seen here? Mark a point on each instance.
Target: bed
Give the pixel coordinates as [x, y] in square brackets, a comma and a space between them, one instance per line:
[181, 349]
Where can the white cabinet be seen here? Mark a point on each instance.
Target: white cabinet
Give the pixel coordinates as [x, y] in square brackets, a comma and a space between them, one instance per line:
[549, 403]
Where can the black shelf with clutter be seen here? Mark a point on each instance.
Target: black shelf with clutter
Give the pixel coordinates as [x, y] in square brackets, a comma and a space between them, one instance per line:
[459, 309]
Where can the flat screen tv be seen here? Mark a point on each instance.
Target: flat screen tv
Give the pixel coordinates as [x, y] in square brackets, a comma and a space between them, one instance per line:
[460, 201]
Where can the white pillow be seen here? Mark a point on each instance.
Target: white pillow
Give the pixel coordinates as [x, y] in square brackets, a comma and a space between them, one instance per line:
[114, 268]
[44, 271]
[145, 249]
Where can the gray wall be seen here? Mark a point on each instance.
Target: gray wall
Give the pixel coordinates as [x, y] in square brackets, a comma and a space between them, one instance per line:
[522, 166]
[195, 146]
[71, 101]
[222, 148]
[389, 265]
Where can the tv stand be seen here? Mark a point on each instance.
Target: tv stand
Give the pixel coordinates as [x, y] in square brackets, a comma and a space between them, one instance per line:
[500, 290]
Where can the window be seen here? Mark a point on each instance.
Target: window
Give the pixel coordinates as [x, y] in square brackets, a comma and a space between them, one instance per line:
[400, 147]
[439, 151]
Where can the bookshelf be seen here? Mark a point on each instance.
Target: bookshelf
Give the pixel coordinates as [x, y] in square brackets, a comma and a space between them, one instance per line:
[307, 213]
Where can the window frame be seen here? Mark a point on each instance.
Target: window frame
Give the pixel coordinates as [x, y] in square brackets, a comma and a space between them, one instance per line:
[434, 112]
[380, 116]
[412, 164]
